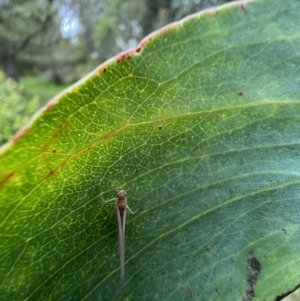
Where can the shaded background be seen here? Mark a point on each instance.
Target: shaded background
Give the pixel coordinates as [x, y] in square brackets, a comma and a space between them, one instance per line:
[46, 45]
[62, 40]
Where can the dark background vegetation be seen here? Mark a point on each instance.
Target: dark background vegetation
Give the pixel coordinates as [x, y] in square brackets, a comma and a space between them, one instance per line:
[46, 45]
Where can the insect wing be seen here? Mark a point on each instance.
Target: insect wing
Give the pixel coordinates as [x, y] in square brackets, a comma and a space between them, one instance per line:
[121, 234]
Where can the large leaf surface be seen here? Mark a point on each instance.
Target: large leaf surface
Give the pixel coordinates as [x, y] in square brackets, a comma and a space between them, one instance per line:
[203, 120]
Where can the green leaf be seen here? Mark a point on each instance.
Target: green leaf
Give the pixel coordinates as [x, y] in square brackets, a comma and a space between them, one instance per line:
[203, 121]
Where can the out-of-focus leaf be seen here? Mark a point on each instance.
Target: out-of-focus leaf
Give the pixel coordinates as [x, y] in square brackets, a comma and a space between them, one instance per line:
[15, 111]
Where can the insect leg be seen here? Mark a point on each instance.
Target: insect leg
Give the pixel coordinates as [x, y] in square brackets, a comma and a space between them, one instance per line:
[131, 210]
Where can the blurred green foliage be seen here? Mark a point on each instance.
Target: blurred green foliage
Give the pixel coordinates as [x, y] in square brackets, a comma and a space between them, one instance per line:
[15, 109]
[32, 86]
[62, 40]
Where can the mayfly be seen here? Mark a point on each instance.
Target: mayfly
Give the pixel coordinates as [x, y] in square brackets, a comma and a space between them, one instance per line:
[121, 206]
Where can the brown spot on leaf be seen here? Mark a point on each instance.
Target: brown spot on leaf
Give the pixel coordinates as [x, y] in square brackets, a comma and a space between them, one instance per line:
[51, 173]
[124, 55]
[6, 178]
[190, 292]
[283, 230]
[54, 136]
[138, 49]
[241, 93]
[53, 151]
[208, 249]
[243, 7]
[105, 137]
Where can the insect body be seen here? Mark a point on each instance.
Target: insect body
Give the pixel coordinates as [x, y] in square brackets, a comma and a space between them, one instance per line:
[121, 206]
